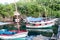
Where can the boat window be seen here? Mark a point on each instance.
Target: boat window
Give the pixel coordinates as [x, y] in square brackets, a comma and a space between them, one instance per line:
[45, 23]
[39, 24]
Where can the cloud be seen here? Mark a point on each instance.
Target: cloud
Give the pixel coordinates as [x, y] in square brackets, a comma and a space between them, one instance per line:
[7, 1]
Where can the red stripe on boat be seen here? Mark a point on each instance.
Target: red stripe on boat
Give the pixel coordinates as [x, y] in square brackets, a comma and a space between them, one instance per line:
[37, 24]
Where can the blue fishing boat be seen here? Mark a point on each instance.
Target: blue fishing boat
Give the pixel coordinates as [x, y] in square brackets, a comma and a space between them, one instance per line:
[11, 34]
[36, 23]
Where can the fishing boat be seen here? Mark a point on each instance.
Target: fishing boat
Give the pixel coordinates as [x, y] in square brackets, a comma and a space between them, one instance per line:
[37, 23]
[11, 34]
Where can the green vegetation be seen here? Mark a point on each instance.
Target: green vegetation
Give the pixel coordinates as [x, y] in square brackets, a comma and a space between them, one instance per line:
[36, 8]
[6, 10]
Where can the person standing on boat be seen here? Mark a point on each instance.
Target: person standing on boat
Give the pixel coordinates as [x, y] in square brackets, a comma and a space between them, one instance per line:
[22, 23]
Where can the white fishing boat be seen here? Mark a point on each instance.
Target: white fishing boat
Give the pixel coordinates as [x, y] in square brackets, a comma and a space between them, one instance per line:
[34, 24]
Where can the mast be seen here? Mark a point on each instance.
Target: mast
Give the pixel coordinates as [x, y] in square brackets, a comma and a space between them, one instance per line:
[15, 5]
[17, 14]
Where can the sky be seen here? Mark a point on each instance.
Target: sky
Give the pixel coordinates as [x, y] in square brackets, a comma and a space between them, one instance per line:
[7, 1]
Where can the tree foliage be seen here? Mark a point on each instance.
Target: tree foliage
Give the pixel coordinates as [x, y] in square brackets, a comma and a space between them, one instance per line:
[36, 8]
[6, 10]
